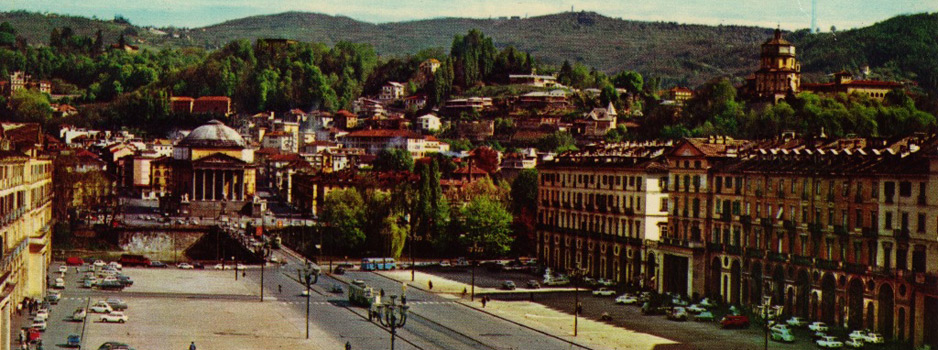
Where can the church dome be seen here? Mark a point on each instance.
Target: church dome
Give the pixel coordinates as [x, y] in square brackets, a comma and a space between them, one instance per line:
[213, 134]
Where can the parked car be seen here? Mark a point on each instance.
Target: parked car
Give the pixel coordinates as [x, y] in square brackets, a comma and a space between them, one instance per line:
[339, 270]
[59, 283]
[649, 309]
[157, 263]
[42, 314]
[779, 327]
[111, 285]
[185, 266]
[99, 263]
[101, 307]
[113, 345]
[89, 282]
[696, 309]
[63, 269]
[79, 314]
[604, 292]
[873, 338]
[854, 343]
[704, 316]
[115, 265]
[508, 285]
[116, 304]
[73, 341]
[818, 326]
[678, 314]
[857, 334]
[734, 321]
[239, 267]
[784, 336]
[626, 299]
[605, 283]
[114, 316]
[797, 322]
[198, 265]
[74, 261]
[54, 297]
[39, 324]
[532, 284]
[829, 342]
[706, 302]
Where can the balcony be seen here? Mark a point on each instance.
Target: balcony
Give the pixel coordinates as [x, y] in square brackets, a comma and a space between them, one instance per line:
[870, 232]
[840, 230]
[803, 260]
[779, 257]
[856, 268]
[881, 271]
[828, 264]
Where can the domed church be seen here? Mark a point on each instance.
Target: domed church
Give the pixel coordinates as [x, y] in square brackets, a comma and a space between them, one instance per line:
[213, 172]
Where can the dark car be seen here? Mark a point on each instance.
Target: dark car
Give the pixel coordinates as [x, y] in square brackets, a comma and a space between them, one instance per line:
[532, 284]
[113, 345]
[198, 265]
[157, 263]
[734, 321]
[73, 341]
[339, 270]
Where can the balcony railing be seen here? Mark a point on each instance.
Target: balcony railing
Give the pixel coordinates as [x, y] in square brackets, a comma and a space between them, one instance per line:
[779, 257]
[755, 253]
[856, 268]
[828, 264]
[870, 232]
[840, 230]
[803, 260]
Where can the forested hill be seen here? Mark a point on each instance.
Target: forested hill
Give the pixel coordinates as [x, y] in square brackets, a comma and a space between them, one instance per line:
[901, 47]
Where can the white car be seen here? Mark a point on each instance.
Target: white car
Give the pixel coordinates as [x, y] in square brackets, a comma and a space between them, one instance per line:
[857, 334]
[41, 315]
[114, 316]
[101, 307]
[829, 342]
[626, 299]
[784, 336]
[240, 267]
[185, 266]
[797, 322]
[874, 338]
[696, 309]
[606, 283]
[818, 326]
[778, 327]
[99, 263]
[59, 283]
[115, 265]
[706, 302]
[854, 343]
[40, 325]
[63, 269]
[79, 314]
[606, 292]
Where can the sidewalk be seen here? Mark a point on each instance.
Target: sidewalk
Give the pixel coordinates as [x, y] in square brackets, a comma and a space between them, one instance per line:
[592, 334]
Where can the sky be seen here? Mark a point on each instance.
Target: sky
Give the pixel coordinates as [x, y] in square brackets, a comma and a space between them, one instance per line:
[789, 14]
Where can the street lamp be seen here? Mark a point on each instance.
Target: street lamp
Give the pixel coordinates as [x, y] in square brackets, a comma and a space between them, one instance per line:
[410, 234]
[264, 253]
[576, 276]
[308, 276]
[393, 316]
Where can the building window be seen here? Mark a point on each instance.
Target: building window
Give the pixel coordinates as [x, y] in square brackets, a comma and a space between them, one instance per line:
[921, 223]
[874, 190]
[905, 189]
[889, 190]
[887, 221]
[858, 221]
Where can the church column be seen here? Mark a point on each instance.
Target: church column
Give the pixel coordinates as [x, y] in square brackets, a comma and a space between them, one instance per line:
[192, 194]
[239, 179]
[211, 195]
[202, 175]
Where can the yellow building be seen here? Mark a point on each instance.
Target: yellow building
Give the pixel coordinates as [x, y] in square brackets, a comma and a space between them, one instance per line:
[844, 83]
[25, 232]
[779, 71]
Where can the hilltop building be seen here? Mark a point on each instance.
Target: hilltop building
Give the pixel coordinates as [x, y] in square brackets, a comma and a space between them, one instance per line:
[779, 71]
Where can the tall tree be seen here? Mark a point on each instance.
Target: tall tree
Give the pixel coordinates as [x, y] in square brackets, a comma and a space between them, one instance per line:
[487, 225]
[393, 159]
[344, 213]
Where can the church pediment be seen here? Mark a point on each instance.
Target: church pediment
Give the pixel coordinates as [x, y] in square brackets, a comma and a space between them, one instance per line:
[218, 159]
[686, 149]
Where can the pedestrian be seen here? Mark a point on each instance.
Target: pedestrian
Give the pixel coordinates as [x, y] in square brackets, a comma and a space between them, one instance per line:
[192, 346]
[430, 284]
[243, 273]
[279, 289]
[348, 346]
[464, 291]
[484, 300]
[19, 309]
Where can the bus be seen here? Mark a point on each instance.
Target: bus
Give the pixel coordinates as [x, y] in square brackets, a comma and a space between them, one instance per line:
[371, 264]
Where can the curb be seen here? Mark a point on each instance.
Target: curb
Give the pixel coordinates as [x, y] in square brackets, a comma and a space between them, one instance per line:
[464, 304]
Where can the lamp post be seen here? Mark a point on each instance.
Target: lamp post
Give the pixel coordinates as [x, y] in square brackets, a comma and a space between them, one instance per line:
[264, 253]
[393, 316]
[308, 276]
[577, 275]
[410, 234]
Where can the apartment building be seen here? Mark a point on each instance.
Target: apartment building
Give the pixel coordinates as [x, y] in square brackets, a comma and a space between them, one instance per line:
[601, 209]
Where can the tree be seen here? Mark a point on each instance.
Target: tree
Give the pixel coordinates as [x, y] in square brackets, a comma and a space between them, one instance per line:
[524, 192]
[7, 35]
[485, 158]
[344, 214]
[618, 134]
[393, 159]
[487, 225]
[629, 80]
[559, 142]
[32, 106]
[565, 76]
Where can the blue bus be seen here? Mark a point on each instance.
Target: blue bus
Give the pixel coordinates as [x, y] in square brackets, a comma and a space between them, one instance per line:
[371, 264]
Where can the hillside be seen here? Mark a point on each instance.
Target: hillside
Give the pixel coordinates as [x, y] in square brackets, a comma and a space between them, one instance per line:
[903, 47]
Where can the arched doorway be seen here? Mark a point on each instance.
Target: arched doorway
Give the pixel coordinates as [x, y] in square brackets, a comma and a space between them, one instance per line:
[778, 290]
[870, 315]
[713, 283]
[828, 298]
[855, 304]
[735, 277]
[789, 302]
[804, 290]
[814, 305]
[755, 287]
[886, 304]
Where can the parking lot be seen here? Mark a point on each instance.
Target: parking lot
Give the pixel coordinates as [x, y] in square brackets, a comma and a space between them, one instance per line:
[690, 334]
[169, 308]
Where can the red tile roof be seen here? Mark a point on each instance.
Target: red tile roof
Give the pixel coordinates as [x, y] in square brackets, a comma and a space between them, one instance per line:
[385, 133]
